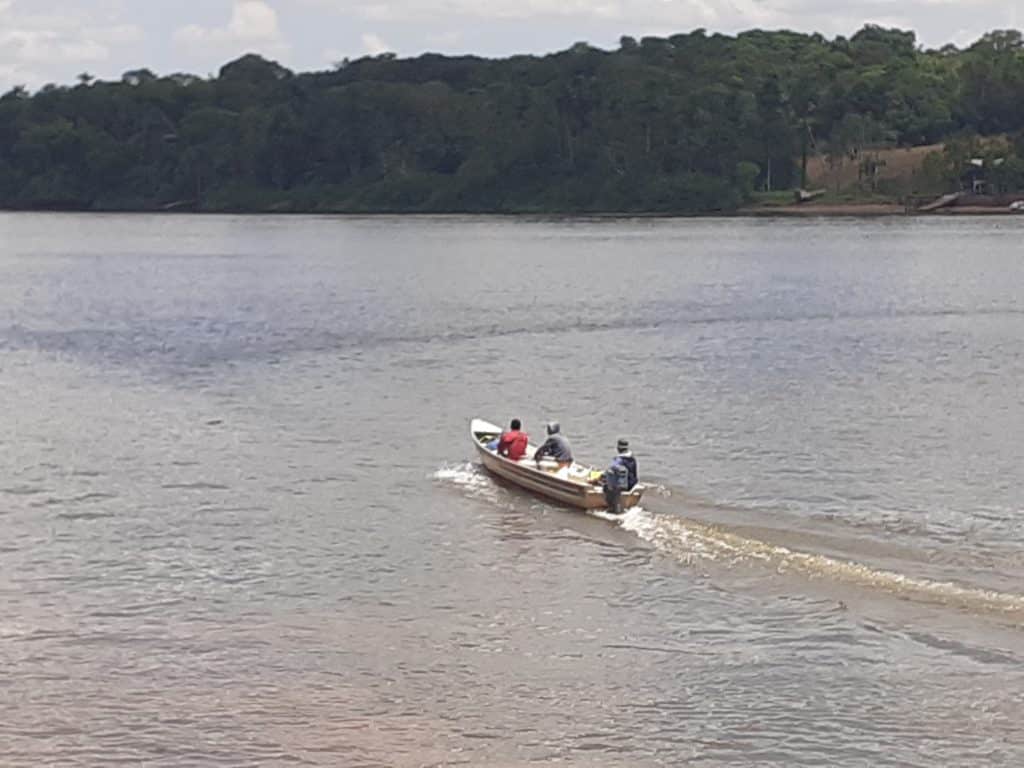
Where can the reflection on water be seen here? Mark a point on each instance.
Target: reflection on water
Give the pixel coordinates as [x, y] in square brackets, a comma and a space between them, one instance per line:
[241, 524]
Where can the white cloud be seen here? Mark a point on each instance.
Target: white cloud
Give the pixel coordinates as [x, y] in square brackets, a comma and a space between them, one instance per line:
[26, 45]
[830, 17]
[602, 10]
[57, 40]
[447, 38]
[252, 23]
[374, 45]
[54, 40]
[117, 34]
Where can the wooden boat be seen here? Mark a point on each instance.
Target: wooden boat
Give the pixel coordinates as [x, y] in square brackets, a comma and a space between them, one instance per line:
[574, 485]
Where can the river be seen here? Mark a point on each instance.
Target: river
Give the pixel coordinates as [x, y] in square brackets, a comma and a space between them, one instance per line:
[242, 522]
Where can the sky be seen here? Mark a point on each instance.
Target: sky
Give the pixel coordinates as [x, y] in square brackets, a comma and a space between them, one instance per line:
[43, 41]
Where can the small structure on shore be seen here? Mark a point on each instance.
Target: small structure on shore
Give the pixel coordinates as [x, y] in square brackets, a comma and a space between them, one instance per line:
[806, 195]
[975, 177]
[943, 202]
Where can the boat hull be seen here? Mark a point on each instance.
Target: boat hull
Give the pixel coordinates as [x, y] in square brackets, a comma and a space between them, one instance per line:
[546, 483]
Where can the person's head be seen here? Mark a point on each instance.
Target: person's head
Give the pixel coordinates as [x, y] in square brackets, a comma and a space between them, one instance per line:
[623, 445]
[554, 427]
[516, 425]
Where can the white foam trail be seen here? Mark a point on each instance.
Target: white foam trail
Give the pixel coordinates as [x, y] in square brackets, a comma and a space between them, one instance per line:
[462, 474]
[690, 540]
[469, 477]
[633, 519]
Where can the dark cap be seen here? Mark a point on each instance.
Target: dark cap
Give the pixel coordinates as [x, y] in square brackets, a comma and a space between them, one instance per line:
[623, 444]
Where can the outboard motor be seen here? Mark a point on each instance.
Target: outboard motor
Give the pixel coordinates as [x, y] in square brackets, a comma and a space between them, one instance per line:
[621, 478]
[616, 480]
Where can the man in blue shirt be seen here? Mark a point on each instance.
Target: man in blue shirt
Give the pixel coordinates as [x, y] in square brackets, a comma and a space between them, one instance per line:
[619, 478]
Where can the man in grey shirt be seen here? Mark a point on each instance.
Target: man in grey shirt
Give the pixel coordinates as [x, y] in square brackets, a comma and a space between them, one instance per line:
[556, 446]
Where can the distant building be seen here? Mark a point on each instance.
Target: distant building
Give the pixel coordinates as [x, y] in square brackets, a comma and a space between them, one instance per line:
[975, 176]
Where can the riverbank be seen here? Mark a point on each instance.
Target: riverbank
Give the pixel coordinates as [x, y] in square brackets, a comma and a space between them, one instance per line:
[825, 209]
[870, 209]
[789, 210]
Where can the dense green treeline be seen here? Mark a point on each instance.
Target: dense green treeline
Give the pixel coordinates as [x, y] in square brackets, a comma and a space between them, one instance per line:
[694, 122]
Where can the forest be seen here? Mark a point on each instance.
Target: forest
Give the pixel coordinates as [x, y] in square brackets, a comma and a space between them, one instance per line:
[691, 123]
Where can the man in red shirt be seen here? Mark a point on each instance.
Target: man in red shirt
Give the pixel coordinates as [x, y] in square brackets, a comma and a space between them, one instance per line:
[513, 443]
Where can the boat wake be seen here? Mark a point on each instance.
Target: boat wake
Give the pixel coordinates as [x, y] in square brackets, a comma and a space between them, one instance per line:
[692, 542]
[470, 477]
[466, 475]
